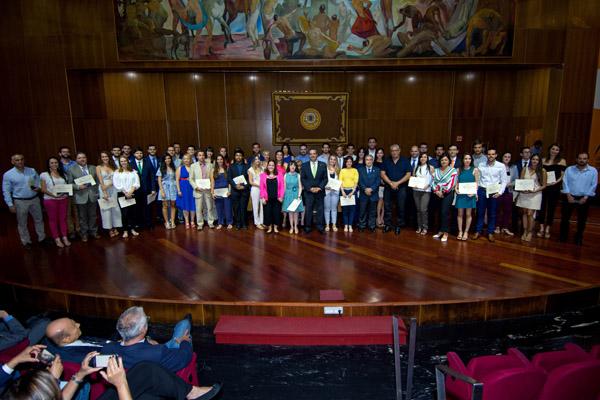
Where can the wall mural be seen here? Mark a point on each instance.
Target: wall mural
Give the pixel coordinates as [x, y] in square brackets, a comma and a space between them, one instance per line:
[252, 30]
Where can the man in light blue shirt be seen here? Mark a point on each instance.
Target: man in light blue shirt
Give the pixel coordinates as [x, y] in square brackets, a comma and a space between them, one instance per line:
[579, 184]
[324, 157]
[303, 155]
[20, 187]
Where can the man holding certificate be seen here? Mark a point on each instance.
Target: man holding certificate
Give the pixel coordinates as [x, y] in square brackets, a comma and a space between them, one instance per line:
[146, 194]
[200, 181]
[85, 187]
[492, 182]
[237, 175]
[369, 179]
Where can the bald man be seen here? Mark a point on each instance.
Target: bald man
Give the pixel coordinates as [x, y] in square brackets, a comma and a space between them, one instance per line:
[64, 336]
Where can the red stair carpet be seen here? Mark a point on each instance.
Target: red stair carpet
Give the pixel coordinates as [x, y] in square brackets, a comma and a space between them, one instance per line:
[325, 331]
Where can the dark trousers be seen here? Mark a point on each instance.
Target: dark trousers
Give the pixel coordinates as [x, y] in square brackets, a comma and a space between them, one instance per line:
[441, 207]
[368, 212]
[272, 212]
[223, 205]
[239, 202]
[397, 197]
[148, 380]
[582, 214]
[411, 208]
[489, 205]
[143, 210]
[314, 202]
[550, 197]
[505, 209]
[127, 215]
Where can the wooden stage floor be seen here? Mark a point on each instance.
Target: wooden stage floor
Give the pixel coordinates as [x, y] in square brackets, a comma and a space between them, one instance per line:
[211, 273]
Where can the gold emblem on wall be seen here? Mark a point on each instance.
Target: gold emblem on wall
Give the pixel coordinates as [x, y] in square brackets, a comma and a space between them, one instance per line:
[310, 119]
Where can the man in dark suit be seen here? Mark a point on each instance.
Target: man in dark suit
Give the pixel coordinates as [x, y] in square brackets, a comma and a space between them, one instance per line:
[369, 178]
[314, 178]
[455, 158]
[147, 176]
[114, 158]
[521, 164]
[65, 338]
[135, 347]
[240, 193]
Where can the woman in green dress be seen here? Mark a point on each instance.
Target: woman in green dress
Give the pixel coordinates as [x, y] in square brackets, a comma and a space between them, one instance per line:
[465, 203]
[293, 191]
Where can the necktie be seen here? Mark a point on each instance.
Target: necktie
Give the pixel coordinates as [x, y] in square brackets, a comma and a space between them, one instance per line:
[154, 162]
[84, 170]
[313, 167]
[368, 170]
[414, 162]
[139, 166]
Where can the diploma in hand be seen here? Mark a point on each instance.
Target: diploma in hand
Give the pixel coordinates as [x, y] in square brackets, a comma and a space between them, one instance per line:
[107, 204]
[550, 177]
[85, 180]
[417, 182]
[125, 202]
[294, 205]
[240, 180]
[62, 189]
[524, 185]
[203, 184]
[223, 192]
[467, 188]
[347, 201]
[334, 184]
[492, 189]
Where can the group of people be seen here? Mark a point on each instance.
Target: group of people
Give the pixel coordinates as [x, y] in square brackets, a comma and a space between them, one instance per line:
[199, 188]
[137, 366]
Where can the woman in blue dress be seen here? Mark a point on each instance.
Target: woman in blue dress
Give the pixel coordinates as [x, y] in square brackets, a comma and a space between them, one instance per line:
[293, 190]
[167, 190]
[185, 192]
[218, 180]
[465, 203]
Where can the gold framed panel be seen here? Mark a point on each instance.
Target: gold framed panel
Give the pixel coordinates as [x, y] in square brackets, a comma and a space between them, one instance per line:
[312, 118]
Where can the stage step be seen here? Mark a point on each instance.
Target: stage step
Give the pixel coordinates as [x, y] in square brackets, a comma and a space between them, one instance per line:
[310, 331]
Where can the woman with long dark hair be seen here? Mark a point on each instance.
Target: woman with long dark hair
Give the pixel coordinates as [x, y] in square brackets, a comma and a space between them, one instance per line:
[442, 186]
[218, 180]
[56, 204]
[271, 195]
[111, 217]
[465, 203]
[288, 156]
[531, 201]
[167, 192]
[126, 182]
[422, 195]
[555, 164]
[379, 158]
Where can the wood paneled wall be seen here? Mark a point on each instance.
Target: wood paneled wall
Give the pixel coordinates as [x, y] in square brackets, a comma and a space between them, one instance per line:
[60, 73]
[234, 109]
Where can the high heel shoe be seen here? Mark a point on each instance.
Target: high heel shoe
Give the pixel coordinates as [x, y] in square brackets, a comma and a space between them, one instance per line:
[334, 228]
[134, 233]
[269, 230]
[275, 230]
[59, 243]
[291, 231]
[167, 225]
[296, 230]
[67, 243]
[547, 234]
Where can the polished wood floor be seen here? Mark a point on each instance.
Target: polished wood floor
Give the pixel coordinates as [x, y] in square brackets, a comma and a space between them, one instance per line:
[251, 268]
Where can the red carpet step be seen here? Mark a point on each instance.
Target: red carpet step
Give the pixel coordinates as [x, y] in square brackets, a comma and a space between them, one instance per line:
[326, 331]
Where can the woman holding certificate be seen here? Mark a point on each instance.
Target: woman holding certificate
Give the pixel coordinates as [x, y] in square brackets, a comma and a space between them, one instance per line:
[349, 179]
[332, 193]
[466, 195]
[254, 177]
[109, 208]
[442, 186]
[293, 196]
[422, 193]
[185, 193]
[126, 182]
[221, 190]
[530, 187]
[271, 195]
[555, 167]
[56, 204]
[167, 192]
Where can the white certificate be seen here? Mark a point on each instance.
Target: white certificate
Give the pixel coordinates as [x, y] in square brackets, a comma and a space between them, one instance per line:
[203, 183]
[522, 185]
[125, 202]
[151, 198]
[347, 201]
[334, 184]
[492, 188]
[223, 192]
[85, 180]
[107, 204]
[467, 188]
[240, 180]
[294, 205]
[550, 177]
[60, 189]
[417, 182]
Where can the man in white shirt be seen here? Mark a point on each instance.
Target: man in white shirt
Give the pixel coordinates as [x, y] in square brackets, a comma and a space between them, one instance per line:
[491, 174]
[350, 151]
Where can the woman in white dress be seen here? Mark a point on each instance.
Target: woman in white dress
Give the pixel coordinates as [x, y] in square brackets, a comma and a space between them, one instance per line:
[531, 201]
[111, 217]
[257, 207]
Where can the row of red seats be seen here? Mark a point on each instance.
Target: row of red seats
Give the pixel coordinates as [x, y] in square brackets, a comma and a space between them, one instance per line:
[569, 374]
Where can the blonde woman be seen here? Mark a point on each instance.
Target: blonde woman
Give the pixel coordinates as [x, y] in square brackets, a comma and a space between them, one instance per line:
[257, 207]
[126, 182]
[185, 193]
[111, 217]
[332, 197]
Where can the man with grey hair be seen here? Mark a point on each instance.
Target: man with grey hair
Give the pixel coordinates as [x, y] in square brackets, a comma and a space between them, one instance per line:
[135, 347]
[395, 172]
[20, 187]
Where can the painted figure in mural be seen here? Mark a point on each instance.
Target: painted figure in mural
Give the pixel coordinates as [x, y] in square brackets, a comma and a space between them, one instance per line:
[321, 20]
[364, 26]
[375, 46]
[285, 45]
[486, 33]
[252, 22]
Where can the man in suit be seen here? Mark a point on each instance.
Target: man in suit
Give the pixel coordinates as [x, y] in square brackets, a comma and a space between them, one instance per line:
[521, 164]
[154, 162]
[204, 201]
[240, 193]
[126, 151]
[314, 178]
[114, 158]
[147, 177]
[455, 161]
[65, 338]
[369, 178]
[135, 347]
[86, 196]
